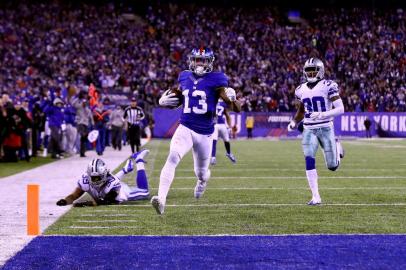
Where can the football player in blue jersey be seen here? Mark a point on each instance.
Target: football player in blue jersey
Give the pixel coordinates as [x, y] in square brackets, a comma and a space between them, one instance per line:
[319, 103]
[200, 88]
[106, 188]
[221, 129]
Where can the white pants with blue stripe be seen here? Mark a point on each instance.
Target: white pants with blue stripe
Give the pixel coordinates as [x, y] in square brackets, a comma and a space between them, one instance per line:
[134, 194]
[326, 138]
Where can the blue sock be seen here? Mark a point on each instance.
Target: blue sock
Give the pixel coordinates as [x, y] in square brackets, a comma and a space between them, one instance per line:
[310, 163]
[141, 181]
[213, 150]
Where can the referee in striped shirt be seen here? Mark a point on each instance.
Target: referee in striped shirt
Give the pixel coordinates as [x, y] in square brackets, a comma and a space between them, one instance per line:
[134, 115]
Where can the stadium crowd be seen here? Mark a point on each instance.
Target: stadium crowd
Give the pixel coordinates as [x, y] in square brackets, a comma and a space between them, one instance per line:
[51, 54]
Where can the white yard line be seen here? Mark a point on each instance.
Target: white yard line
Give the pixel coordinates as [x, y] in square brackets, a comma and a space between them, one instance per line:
[293, 177]
[226, 235]
[269, 169]
[103, 227]
[265, 204]
[107, 221]
[98, 215]
[281, 188]
[56, 180]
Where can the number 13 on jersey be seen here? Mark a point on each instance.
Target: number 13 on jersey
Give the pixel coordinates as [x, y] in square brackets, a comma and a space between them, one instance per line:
[200, 108]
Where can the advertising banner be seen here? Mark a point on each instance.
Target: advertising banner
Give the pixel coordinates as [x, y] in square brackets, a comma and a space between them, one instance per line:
[274, 124]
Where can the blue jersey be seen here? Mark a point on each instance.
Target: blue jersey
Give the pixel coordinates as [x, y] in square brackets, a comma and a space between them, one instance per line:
[221, 107]
[200, 97]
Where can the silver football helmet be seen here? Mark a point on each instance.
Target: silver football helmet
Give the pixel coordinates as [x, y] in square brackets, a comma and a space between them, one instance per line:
[313, 70]
[97, 172]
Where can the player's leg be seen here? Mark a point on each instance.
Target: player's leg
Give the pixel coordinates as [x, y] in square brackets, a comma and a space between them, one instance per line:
[181, 143]
[225, 135]
[310, 145]
[214, 146]
[201, 157]
[331, 147]
[141, 192]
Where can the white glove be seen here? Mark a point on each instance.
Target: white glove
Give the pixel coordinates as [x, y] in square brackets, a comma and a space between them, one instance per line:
[292, 125]
[317, 116]
[169, 99]
[128, 167]
[63, 127]
[230, 92]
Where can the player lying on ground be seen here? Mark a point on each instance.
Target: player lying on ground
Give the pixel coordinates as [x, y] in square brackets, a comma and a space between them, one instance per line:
[200, 90]
[319, 103]
[221, 129]
[106, 188]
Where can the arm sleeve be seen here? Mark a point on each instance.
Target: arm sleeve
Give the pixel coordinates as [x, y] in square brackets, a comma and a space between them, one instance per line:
[338, 109]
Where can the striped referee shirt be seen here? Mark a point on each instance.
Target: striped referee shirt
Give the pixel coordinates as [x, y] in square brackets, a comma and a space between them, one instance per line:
[134, 115]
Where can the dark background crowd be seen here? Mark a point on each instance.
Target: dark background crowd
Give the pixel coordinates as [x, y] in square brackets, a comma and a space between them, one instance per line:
[51, 53]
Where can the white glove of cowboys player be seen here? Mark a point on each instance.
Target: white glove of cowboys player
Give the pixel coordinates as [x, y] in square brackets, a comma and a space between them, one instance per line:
[292, 125]
[168, 99]
[317, 116]
[230, 92]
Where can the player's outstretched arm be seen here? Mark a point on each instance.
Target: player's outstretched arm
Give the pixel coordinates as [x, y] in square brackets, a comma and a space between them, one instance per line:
[71, 197]
[297, 118]
[230, 98]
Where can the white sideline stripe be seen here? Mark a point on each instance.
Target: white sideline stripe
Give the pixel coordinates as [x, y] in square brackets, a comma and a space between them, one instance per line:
[296, 177]
[275, 169]
[112, 215]
[222, 235]
[279, 188]
[266, 204]
[103, 227]
[107, 221]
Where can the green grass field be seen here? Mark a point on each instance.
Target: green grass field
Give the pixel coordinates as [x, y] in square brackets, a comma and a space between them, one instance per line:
[264, 193]
[10, 168]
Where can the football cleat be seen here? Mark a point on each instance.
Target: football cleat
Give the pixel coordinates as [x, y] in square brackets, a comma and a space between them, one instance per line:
[231, 157]
[200, 188]
[314, 201]
[140, 156]
[158, 205]
[340, 149]
[213, 161]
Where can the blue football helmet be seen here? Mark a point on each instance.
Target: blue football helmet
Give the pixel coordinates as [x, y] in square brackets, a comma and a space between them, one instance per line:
[201, 61]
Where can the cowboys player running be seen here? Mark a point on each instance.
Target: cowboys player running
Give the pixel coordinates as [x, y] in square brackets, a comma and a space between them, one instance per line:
[221, 129]
[201, 88]
[106, 188]
[319, 103]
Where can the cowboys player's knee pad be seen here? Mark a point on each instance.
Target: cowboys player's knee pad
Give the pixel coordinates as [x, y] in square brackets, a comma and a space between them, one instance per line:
[309, 143]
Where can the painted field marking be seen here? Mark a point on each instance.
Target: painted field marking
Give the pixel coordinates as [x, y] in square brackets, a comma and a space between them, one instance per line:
[295, 177]
[107, 221]
[226, 234]
[103, 227]
[274, 169]
[279, 188]
[94, 215]
[265, 204]
[33, 209]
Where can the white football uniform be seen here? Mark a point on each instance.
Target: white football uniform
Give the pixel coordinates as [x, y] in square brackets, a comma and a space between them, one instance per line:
[185, 139]
[221, 130]
[317, 99]
[97, 193]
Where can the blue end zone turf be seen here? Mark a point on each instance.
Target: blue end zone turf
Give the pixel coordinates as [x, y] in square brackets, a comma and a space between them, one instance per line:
[223, 252]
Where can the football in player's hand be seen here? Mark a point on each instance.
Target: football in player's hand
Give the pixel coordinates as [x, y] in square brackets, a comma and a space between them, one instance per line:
[171, 98]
